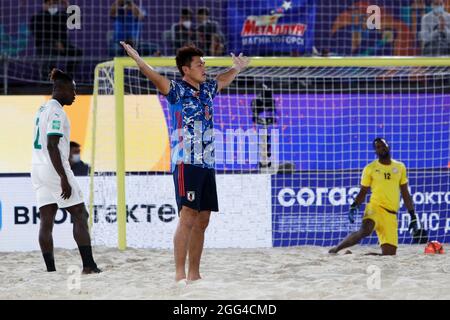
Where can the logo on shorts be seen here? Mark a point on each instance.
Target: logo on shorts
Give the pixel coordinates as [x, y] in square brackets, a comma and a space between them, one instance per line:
[56, 124]
[190, 195]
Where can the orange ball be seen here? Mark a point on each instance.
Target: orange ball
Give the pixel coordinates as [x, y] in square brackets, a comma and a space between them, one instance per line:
[434, 247]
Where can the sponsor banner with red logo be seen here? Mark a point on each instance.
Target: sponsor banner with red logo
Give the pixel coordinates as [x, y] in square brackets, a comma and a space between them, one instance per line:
[272, 27]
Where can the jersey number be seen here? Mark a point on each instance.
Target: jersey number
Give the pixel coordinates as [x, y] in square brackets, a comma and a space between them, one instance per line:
[387, 176]
[36, 141]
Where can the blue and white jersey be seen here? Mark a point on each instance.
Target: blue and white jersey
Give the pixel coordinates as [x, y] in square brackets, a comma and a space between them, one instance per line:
[191, 111]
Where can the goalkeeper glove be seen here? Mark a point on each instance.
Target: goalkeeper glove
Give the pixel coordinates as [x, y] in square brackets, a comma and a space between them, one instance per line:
[413, 225]
[352, 213]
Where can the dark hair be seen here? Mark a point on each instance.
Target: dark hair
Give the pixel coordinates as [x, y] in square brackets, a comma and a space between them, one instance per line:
[60, 77]
[73, 144]
[186, 12]
[203, 11]
[379, 139]
[185, 55]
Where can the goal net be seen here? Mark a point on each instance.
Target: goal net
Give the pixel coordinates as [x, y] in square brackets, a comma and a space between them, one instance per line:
[292, 137]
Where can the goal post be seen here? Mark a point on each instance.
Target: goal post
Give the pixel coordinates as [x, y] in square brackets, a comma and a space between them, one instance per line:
[114, 72]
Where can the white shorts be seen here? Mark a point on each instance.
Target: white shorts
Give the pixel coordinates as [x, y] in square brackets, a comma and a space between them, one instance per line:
[47, 185]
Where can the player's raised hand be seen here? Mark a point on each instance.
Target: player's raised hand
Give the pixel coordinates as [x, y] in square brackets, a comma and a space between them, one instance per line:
[240, 62]
[66, 188]
[130, 50]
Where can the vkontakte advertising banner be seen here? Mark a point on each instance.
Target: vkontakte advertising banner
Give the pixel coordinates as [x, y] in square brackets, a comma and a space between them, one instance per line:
[244, 219]
[20, 217]
[311, 208]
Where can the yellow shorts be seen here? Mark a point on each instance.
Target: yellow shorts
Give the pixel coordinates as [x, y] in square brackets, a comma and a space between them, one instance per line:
[386, 225]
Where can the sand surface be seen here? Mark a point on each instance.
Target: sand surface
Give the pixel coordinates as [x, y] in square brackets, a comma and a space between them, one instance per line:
[275, 273]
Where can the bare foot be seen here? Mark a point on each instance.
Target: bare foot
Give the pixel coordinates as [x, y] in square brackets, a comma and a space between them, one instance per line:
[182, 283]
[91, 270]
[180, 276]
[333, 250]
[194, 278]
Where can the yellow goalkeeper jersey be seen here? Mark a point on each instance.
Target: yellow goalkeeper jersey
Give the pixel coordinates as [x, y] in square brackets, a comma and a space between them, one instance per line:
[385, 182]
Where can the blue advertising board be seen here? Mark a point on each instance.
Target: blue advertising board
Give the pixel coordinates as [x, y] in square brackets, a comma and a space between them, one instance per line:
[311, 208]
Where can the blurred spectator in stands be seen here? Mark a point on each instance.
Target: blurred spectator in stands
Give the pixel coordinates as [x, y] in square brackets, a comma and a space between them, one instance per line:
[413, 15]
[128, 17]
[78, 167]
[12, 45]
[209, 37]
[49, 29]
[435, 31]
[217, 45]
[182, 33]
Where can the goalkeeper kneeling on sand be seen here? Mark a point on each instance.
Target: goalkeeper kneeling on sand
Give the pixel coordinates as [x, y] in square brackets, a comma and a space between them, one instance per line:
[386, 177]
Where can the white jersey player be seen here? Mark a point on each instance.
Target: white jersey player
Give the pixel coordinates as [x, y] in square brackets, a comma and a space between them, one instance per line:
[51, 176]
[51, 120]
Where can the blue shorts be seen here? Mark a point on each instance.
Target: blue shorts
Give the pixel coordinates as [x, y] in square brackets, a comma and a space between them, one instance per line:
[195, 187]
